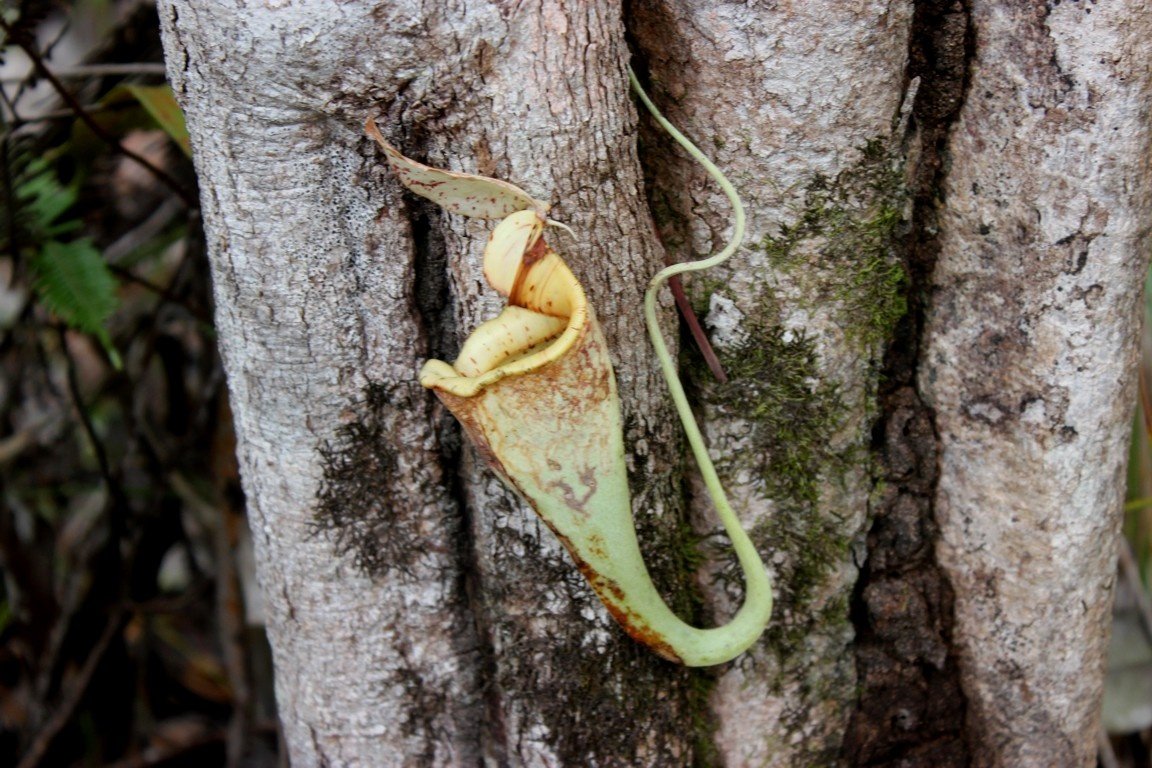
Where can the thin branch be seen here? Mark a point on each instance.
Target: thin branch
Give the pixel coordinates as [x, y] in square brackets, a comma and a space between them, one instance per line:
[13, 446]
[693, 322]
[9, 194]
[118, 500]
[144, 232]
[96, 70]
[694, 327]
[1130, 570]
[64, 114]
[61, 33]
[165, 754]
[166, 294]
[74, 696]
[86, 118]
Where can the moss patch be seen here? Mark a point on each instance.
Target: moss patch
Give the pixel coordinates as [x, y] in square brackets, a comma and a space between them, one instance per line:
[845, 239]
[792, 415]
[842, 250]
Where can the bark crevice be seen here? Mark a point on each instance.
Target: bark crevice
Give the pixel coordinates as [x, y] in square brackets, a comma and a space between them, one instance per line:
[911, 709]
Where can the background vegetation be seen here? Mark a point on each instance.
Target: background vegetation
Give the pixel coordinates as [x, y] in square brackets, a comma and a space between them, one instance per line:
[124, 636]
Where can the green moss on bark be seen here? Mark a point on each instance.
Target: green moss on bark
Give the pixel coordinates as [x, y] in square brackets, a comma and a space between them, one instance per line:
[843, 245]
[791, 415]
[842, 254]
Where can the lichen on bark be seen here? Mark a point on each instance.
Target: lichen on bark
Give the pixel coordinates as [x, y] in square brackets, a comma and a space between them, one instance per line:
[358, 504]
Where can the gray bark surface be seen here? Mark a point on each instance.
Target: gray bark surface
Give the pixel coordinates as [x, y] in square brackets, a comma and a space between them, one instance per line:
[1030, 362]
[419, 614]
[446, 625]
[312, 267]
[815, 151]
[550, 109]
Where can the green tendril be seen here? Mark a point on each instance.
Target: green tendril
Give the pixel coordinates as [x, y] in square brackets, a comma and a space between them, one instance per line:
[749, 559]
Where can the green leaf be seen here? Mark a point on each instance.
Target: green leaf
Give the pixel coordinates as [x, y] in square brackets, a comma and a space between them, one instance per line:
[73, 281]
[161, 105]
[45, 199]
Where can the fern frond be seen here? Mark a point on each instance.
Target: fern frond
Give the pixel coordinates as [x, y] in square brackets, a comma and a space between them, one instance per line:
[73, 281]
[34, 201]
[45, 199]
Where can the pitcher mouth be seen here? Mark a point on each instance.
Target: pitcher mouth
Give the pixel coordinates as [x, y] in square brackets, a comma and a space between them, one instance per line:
[546, 315]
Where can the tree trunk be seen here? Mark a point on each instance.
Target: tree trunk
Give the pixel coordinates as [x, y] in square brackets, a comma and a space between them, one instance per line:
[931, 328]
[800, 319]
[1030, 362]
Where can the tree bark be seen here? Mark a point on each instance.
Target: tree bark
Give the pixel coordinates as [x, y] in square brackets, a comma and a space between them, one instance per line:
[312, 267]
[1030, 362]
[800, 105]
[446, 625]
[421, 615]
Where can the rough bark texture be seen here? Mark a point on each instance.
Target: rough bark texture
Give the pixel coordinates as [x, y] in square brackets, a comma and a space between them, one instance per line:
[549, 107]
[400, 638]
[799, 317]
[911, 707]
[420, 615]
[1030, 361]
[312, 264]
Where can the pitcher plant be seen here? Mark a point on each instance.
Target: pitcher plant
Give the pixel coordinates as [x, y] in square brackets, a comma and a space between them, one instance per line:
[535, 391]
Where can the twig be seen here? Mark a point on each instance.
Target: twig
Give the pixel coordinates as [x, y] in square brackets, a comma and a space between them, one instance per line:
[7, 180]
[12, 446]
[1104, 750]
[698, 335]
[9, 194]
[75, 694]
[693, 322]
[1130, 571]
[94, 126]
[142, 233]
[164, 293]
[165, 756]
[96, 70]
[118, 500]
[63, 114]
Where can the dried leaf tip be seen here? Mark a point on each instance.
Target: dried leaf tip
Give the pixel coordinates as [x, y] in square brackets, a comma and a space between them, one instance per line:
[464, 193]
